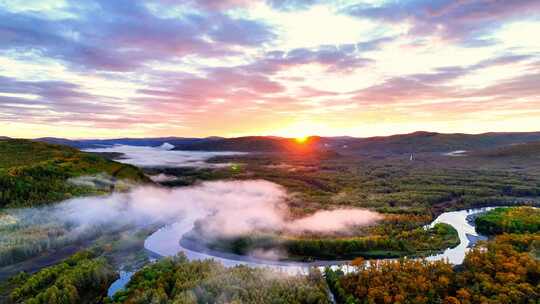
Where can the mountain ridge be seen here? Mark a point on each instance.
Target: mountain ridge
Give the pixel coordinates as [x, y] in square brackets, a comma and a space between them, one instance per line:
[415, 142]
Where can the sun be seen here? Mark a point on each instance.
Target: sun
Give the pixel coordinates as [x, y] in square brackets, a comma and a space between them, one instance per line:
[301, 139]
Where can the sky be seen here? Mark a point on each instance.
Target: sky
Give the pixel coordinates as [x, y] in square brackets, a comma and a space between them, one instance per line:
[195, 68]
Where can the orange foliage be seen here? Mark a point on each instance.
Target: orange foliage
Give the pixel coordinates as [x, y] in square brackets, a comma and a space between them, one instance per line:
[504, 271]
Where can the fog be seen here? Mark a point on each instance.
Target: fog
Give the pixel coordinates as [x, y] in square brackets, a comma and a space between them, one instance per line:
[248, 202]
[333, 221]
[226, 208]
[162, 156]
[100, 181]
[160, 178]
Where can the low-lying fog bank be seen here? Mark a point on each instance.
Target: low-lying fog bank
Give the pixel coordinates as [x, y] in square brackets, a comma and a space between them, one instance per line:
[162, 156]
[227, 208]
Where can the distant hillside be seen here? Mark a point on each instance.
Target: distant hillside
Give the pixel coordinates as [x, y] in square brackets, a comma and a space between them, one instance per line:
[312, 146]
[66, 142]
[529, 150]
[396, 144]
[244, 144]
[95, 143]
[153, 142]
[437, 142]
[33, 173]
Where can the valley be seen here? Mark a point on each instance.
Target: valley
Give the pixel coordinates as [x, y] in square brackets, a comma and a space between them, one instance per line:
[269, 152]
[288, 208]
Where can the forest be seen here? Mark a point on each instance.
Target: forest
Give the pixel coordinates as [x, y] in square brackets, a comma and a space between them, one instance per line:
[427, 186]
[176, 280]
[503, 270]
[416, 242]
[82, 278]
[509, 220]
[34, 173]
[409, 194]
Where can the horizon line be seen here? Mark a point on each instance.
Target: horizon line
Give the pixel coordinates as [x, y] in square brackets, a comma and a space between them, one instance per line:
[277, 136]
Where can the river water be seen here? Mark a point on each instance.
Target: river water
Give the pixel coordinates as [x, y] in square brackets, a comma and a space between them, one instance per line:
[466, 231]
[166, 242]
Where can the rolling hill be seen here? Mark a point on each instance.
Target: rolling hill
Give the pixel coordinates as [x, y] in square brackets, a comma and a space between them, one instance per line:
[524, 150]
[438, 142]
[34, 173]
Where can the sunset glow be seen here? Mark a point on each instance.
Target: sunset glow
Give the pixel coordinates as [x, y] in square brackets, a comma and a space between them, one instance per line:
[301, 140]
[92, 69]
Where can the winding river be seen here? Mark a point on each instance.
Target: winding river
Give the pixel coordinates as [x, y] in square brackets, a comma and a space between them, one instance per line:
[466, 232]
[167, 242]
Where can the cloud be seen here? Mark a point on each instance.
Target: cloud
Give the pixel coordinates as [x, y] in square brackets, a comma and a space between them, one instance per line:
[437, 84]
[237, 67]
[374, 44]
[465, 21]
[285, 5]
[220, 90]
[244, 85]
[291, 5]
[51, 99]
[524, 86]
[334, 58]
[236, 31]
[46, 89]
[211, 4]
[138, 35]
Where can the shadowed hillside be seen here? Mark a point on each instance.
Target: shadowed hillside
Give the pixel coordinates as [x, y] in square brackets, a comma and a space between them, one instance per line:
[525, 150]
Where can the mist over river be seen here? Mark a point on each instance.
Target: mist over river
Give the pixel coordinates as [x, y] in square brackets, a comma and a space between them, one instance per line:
[167, 241]
[162, 156]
